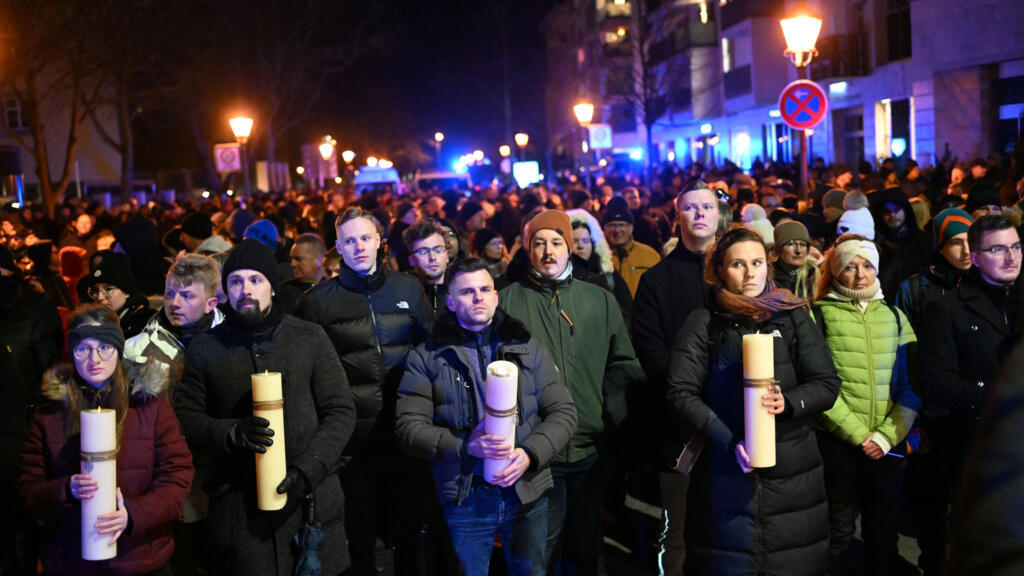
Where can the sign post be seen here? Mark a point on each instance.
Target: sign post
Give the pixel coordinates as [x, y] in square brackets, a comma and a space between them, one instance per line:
[803, 105]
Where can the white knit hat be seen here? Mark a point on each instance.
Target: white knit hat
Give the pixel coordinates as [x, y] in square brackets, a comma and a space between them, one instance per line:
[857, 221]
[844, 252]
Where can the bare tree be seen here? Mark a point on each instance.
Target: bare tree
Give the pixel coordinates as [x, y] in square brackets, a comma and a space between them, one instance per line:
[51, 67]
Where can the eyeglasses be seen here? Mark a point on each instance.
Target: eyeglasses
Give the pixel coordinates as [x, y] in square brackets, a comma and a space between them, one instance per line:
[437, 250]
[798, 244]
[1000, 251]
[94, 292]
[104, 351]
[722, 195]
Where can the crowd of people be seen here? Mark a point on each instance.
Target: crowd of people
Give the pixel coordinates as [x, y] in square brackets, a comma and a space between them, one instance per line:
[892, 294]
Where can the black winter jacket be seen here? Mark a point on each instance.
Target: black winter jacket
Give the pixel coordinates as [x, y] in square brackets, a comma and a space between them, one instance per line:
[373, 322]
[319, 416]
[962, 345]
[665, 297]
[773, 520]
[437, 410]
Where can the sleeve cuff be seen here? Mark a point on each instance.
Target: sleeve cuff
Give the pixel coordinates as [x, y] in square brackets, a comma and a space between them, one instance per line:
[882, 442]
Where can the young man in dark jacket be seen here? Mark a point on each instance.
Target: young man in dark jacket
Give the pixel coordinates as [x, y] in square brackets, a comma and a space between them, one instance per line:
[214, 404]
[374, 318]
[666, 296]
[582, 328]
[965, 338]
[441, 410]
[428, 257]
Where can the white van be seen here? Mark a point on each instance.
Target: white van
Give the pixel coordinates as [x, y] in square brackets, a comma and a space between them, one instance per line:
[377, 178]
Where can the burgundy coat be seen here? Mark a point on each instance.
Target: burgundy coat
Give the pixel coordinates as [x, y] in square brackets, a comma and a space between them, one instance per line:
[154, 471]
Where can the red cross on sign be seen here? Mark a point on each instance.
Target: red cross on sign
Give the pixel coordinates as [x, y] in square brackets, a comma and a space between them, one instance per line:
[803, 104]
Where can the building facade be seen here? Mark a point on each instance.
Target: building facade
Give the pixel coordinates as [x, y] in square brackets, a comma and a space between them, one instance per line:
[921, 79]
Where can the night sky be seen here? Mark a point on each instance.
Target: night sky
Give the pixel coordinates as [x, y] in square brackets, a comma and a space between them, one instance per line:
[441, 71]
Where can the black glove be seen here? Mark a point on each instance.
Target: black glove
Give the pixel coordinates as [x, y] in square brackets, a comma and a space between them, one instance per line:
[252, 434]
[294, 483]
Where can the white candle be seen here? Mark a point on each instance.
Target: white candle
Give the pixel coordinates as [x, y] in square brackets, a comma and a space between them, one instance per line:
[268, 402]
[758, 375]
[501, 392]
[99, 460]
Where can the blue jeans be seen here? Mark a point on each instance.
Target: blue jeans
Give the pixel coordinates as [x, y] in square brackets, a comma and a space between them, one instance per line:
[490, 510]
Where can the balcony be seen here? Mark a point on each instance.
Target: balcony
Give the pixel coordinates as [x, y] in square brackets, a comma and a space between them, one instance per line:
[739, 10]
[841, 56]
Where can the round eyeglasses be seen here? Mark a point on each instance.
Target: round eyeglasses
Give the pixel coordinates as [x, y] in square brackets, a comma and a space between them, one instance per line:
[104, 351]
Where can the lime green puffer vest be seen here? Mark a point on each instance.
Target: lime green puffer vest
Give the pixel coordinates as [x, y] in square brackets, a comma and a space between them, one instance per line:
[863, 347]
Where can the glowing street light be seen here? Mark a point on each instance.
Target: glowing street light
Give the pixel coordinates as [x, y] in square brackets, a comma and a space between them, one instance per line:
[385, 163]
[348, 156]
[371, 161]
[522, 139]
[241, 127]
[326, 149]
[478, 155]
[300, 170]
[801, 27]
[438, 138]
[584, 112]
[504, 151]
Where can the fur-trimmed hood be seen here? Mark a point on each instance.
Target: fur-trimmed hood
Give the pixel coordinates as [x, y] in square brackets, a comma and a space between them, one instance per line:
[601, 248]
[147, 380]
[447, 331]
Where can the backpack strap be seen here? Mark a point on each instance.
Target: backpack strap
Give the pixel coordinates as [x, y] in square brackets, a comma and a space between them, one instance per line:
[899, 322]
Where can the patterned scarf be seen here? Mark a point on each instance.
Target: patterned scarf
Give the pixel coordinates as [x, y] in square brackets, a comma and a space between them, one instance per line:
[762, 307]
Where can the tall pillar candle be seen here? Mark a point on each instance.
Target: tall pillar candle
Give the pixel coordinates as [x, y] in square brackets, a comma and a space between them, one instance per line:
[758, 377]
[99, 459]
[271, 467]
[500, 419]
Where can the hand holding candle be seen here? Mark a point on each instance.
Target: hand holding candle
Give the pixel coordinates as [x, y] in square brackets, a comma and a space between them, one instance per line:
[271, 465]
[500, 419]
[759, 381]
[96, 486]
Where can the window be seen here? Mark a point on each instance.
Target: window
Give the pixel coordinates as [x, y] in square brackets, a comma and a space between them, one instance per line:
[897, 29]
[14, 118]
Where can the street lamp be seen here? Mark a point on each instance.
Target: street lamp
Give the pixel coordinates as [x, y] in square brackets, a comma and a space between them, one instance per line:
[584, 112]
[348, 156]
[326, 152]
[522, 139]
[241, 127]
[438, 138]
[504, 151]
[801, 28]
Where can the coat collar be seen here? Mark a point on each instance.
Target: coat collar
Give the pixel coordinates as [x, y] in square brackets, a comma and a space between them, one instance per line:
[507, 329]
[355, 282]
[974, 298]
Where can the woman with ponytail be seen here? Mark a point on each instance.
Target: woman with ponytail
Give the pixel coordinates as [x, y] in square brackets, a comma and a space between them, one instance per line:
[741, 520]
[154, 466]
[868, 341]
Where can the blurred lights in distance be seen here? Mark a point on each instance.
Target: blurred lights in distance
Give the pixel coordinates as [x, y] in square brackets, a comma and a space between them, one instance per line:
[300, 170]
[460, 167]
[671, 156]
[774, 113]
[337, 179]
[705, 128]
[837, 88]
[230, 192]
[385, 163]
[371, 161]
[206, 193]
[603, 162]
[636, 154]
[478, 155]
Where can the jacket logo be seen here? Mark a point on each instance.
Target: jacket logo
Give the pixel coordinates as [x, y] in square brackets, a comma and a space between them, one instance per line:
[776, 334]
[403, 305]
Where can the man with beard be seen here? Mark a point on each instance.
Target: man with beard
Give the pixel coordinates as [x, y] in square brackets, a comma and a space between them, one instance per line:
[30, 342]
[428, 257]
[214, 404]
[582, 328]
[374, 318]
[965, 338]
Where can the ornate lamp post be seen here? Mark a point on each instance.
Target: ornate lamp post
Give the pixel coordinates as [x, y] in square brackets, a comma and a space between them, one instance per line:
[584, 112]
[241, 127]
[801, 28]
[327, 153]
[522, 139]
[438, 138]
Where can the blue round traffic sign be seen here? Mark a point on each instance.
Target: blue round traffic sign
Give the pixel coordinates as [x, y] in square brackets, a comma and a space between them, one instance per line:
[803, 104]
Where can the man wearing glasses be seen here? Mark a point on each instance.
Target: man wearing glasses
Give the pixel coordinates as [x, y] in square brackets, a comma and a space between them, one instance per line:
[965, 337]
[111, 284]
[428, 256]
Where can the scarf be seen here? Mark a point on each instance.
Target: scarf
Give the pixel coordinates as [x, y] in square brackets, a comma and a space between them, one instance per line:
[771, 301]
[840, 292]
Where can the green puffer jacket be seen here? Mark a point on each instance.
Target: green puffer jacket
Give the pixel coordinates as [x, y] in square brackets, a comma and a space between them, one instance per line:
[870, 353]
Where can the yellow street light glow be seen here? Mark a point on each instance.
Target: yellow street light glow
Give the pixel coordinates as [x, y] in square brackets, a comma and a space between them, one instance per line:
[300, 170]
[478, 155]
[326, 151]
[522, 139]
[241, 127]
[371, 161]
[348, 156]
[385, 163]
[801, 28]
[438, 137]
[504, 150]
[584, 112]
[337, 179]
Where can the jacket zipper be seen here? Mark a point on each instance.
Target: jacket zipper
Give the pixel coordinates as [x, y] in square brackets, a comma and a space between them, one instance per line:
[871, 367]
[376, 336]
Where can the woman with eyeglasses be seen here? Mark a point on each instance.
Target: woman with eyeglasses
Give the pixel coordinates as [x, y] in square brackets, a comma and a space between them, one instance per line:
[110, 282]
[858, 436]
[154, 465]
[742, 520]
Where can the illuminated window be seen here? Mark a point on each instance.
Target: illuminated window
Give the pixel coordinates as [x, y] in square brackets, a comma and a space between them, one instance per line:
[14, 117]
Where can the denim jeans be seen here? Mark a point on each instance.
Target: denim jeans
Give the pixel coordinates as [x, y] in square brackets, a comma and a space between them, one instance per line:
[489, 511]
[574, 518]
